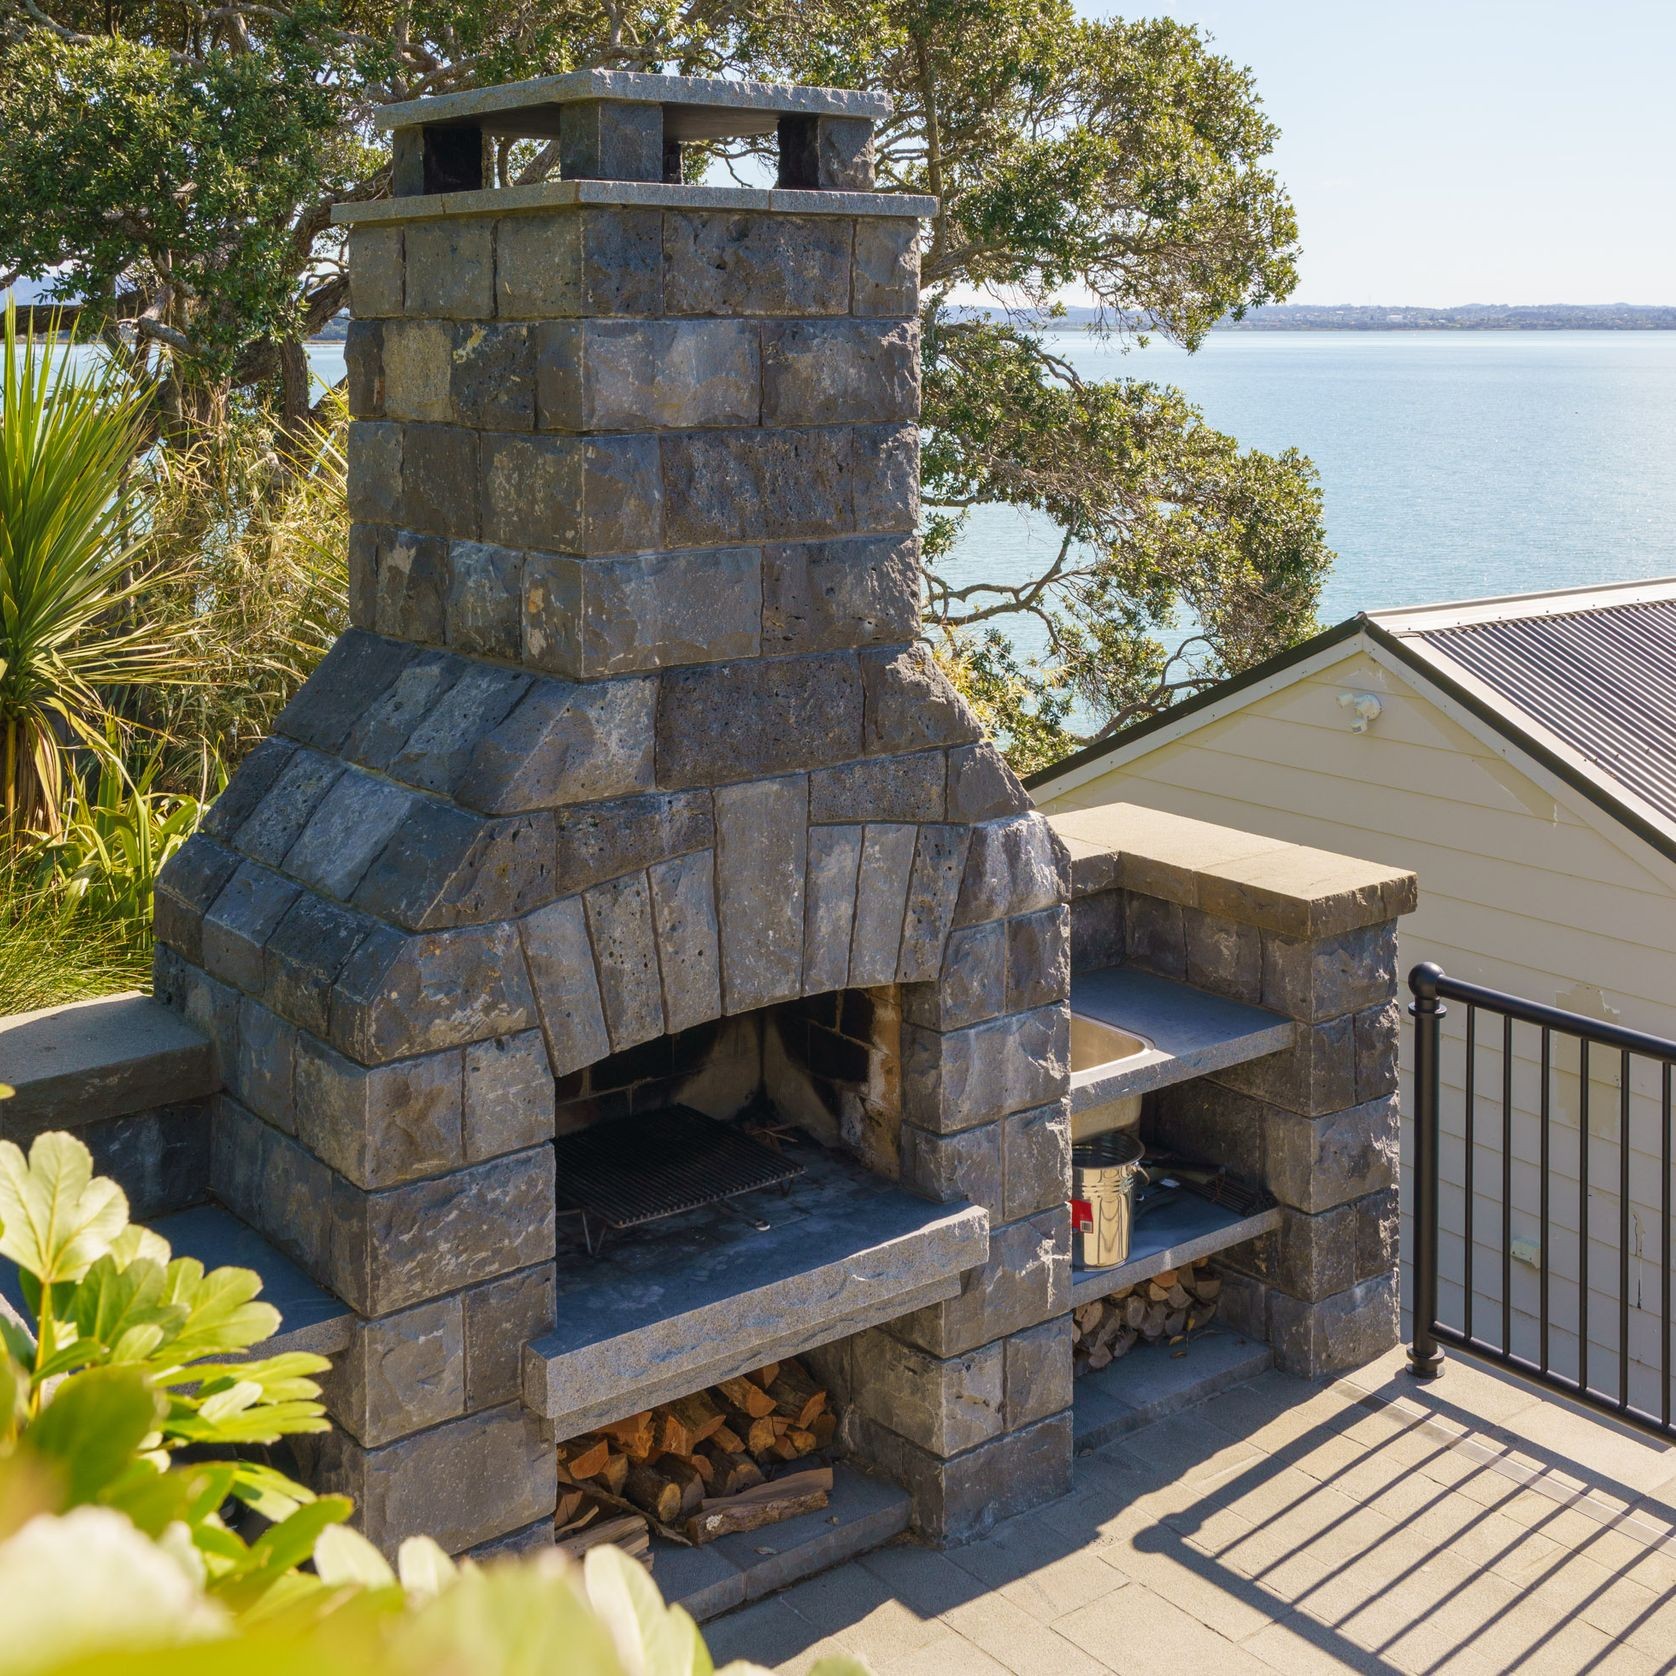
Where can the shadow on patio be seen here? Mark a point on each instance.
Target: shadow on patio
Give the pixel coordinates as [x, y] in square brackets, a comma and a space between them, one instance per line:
[1373, 1524]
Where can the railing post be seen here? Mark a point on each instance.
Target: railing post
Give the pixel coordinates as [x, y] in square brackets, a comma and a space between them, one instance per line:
[1425, 1357]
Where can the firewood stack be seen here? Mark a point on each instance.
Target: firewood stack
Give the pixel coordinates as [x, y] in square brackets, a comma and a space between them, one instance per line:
[1163, 1310]
[701, 1467]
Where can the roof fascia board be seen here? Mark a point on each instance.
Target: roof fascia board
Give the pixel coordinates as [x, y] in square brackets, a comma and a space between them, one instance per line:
[1319, 652]
[1556, 602]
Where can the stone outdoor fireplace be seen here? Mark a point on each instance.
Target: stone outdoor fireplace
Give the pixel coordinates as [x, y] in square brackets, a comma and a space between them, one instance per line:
[630, 786]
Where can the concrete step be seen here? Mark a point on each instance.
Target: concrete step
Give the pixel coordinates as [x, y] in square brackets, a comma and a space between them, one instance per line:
[1154, 1380]
[862, 1513]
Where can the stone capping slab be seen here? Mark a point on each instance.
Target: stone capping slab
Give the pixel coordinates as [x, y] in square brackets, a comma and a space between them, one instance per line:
[629, 194]
[1291, 889]
[707, 1295]
[1191, 1032]
[512, 99]
[108, 1057]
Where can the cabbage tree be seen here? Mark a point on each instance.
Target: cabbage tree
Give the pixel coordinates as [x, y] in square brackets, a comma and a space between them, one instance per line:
[71, 425]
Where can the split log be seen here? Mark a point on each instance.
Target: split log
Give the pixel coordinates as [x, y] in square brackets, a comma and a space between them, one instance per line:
[747, 1397]
[781, 1498]
[765, 1375]
[636, 1435]
[730, 1473]
[667, 1488]
[582, 1457]
[627, 1530]
[796, 1395]
[686, 1423]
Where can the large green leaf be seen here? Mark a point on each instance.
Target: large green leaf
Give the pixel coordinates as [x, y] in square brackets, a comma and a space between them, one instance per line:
[282, 1548]
[56, 1218]
[651, 1639]
[121, 1310]
[342, 1555]
[92, 1429]
[282, 1378]
[221, 1315]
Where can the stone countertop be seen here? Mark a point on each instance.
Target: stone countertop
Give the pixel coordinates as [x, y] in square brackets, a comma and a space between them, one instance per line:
[89, 1060]
[674, 1306]
[1192, 1033]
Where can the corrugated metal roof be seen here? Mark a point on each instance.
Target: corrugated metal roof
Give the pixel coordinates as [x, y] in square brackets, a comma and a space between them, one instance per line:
[1602, 679]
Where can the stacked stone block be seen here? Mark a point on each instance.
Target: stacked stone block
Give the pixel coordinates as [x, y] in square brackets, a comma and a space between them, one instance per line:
[1311, 936]
[630, 733]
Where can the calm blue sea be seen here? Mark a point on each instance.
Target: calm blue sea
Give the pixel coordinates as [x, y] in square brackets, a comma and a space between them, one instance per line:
[1453, 463]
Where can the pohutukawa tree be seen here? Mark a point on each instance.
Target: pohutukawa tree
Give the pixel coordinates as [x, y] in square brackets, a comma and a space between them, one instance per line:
[174, 166]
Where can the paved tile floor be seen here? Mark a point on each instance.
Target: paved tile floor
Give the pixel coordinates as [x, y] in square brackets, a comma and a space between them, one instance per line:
[1373, 1524]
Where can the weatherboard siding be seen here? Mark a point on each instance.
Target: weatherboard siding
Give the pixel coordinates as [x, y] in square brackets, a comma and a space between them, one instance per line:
[1523, 886]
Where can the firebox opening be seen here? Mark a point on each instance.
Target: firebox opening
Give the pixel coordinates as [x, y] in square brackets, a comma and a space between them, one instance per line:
[828, 1066]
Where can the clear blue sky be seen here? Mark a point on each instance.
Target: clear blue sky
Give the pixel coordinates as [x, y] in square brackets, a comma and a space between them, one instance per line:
[1480, 151]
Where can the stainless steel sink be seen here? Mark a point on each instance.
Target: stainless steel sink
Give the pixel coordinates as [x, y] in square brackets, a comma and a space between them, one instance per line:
[1097, 1047]
[1094, 1044]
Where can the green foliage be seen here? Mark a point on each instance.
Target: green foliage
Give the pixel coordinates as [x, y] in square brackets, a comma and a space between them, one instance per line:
[128, 1358]
[117, 831]
[266, 521]
[1016, 703]
[426, 1617]
[172, 173]
[47, 958]
[69, 582]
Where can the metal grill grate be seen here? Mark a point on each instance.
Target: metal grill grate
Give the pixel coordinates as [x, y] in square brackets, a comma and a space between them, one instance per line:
[621, 1174]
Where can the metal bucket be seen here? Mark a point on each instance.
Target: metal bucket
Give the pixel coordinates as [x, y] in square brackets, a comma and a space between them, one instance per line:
[1104, 1170]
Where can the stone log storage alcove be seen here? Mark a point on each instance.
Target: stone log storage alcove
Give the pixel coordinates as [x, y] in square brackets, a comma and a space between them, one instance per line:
[631, 735]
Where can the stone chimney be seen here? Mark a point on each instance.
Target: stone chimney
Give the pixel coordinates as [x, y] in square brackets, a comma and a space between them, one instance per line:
[631, 732]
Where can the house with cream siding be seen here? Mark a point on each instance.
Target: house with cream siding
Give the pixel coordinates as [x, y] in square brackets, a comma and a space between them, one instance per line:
[1519, 754]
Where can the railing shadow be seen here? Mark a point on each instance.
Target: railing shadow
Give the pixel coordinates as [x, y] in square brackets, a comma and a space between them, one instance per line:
[1366, 1533]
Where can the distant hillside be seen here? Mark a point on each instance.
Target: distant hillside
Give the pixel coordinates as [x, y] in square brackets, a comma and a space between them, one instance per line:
[1466, 317]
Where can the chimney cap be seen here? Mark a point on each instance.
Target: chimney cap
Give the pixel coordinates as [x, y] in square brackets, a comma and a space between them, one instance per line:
[695, 107]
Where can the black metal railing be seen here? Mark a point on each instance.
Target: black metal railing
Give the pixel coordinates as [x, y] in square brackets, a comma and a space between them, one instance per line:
[1526, 1340]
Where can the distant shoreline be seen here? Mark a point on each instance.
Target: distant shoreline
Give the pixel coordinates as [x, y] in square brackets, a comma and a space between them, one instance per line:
[1397, 317]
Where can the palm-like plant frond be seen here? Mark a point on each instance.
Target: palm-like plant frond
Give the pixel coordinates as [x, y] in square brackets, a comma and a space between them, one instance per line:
[71, 425]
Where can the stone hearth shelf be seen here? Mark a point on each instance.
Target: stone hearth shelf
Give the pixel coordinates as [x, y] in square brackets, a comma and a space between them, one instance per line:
[1192, 1033]
[698, 1298]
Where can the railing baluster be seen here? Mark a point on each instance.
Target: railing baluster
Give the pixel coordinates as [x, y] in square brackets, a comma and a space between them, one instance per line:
[1506, 1196]
[1542, 1190]
[1583, 1214]
[1623, 1231]
[1664, 1249]
[1425, 1359]
[1471, 1114]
